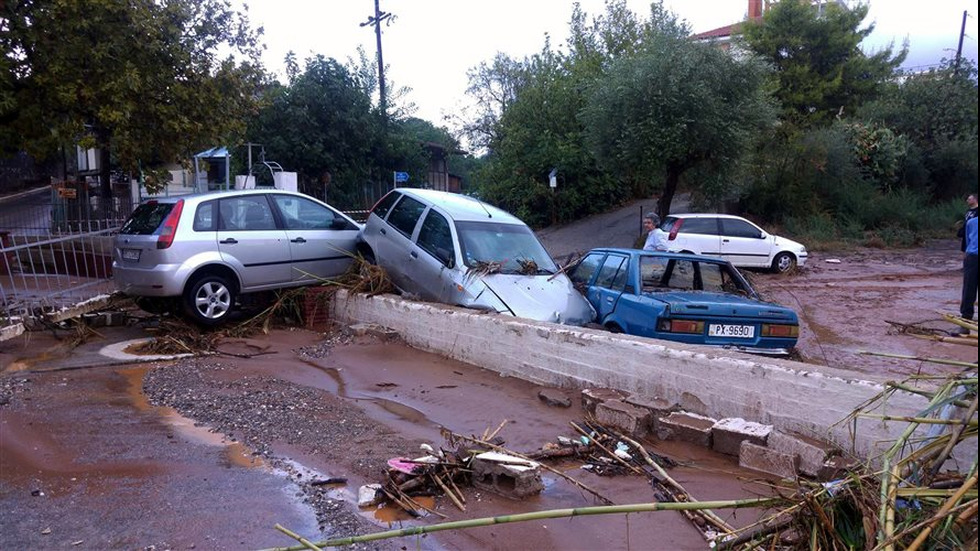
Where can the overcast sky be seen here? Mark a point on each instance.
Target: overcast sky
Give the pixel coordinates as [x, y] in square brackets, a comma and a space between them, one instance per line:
[431, 44]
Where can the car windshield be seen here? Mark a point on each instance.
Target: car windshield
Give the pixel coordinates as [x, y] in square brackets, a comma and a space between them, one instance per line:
[510, 248]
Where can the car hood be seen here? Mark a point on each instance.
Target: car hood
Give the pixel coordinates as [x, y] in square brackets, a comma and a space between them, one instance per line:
[542, 298]
[704, 303]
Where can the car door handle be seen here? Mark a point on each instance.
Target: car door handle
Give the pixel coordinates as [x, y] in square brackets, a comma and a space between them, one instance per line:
[384, 231]
[414, 254]
[297, 240]
[229, 241]
[724, 241]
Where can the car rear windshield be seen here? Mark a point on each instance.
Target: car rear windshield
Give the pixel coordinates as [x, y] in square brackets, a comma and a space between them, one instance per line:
[146, 218]
[513, 247]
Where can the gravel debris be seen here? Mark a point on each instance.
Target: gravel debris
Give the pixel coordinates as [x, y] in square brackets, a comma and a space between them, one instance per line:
[262, 412]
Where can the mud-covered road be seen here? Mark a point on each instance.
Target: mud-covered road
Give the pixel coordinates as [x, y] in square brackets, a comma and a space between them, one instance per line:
[211, 453]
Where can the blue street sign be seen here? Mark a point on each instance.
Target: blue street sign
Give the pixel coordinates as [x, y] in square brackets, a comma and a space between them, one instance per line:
[401, 177]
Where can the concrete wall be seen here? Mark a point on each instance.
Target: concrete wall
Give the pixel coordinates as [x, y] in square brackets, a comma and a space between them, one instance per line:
[704, 380]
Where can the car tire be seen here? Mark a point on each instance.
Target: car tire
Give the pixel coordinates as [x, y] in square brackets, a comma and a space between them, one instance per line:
[614, 328]
[208, 300]
[784, 262]
[367, 254]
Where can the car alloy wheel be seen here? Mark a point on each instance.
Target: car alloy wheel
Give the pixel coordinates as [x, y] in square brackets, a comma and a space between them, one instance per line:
[209, 300]
[783, 262]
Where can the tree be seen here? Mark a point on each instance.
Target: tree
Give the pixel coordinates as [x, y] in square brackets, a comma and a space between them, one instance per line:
[820, 69]
[493, 87]
[140, 78]
[937, 113]
[675, 106]
[323, 126]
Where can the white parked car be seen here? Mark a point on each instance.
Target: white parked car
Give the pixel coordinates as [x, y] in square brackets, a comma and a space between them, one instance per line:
[730, 238]
[455, 249]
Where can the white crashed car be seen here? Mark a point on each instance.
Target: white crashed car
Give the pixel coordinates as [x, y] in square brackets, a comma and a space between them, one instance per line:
[455, 249]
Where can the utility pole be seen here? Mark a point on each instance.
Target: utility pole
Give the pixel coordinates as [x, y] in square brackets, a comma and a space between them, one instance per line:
[376, 20]
[959, 48]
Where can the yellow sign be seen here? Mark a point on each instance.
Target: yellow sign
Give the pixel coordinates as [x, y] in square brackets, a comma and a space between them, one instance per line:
[68, 193]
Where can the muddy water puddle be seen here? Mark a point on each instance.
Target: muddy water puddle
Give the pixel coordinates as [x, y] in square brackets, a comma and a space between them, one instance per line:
[233, 453]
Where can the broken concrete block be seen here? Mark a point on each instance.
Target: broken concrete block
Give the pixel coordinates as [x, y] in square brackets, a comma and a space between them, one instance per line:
[812, 452]
[591, 397]
[658, 407]
[686, 427]
[368, 495]
[554, 398]
[728, 434]
[632, 420]
[506, 475]
[760, 458]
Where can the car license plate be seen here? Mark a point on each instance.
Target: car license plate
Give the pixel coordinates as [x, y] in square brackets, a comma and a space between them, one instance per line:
[131, 254]
[733, 331]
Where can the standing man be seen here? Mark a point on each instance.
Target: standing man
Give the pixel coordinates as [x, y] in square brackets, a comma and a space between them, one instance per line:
[650, 223]
[969, 269]
[971, 203]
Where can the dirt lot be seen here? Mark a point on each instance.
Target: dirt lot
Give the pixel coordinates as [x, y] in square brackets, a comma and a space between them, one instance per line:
[846, 300]
[212, 452]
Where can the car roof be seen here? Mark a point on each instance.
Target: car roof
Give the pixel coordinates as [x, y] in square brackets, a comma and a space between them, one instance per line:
[662, 254]
[208, 195]
[705, 215]
[461, 207]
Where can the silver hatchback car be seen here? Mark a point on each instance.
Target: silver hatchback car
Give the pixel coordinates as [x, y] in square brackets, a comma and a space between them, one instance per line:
[454, 249]
[200, 252]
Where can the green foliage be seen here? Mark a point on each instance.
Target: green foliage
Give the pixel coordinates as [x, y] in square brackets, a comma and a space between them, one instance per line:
[141, 77]
[879, 152]
[819, 69]
[937, 113]
[630, 108]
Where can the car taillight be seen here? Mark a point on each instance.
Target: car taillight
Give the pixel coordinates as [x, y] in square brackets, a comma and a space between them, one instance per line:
[772, 330]
[675, 228]
[682, 326]
[169, 226]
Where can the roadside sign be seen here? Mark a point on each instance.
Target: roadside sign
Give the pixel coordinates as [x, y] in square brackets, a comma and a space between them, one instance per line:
[401, 177]
[553, 178]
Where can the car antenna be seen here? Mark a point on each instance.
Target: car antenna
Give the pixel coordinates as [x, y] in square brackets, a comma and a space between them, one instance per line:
[485, 209]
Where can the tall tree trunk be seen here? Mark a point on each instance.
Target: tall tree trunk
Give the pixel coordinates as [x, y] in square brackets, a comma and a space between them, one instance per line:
[105, 182]
[670, 187]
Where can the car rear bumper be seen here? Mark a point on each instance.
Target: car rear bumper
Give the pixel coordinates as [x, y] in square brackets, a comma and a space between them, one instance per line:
[163, 280]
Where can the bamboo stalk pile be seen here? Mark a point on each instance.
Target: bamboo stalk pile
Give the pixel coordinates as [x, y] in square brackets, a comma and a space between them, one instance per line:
[917, 498]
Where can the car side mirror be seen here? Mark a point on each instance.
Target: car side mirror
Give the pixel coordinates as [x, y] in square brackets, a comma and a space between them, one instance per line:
[338, 224]
[446, 257]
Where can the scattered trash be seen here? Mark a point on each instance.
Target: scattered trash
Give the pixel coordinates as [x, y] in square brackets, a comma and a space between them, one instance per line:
[832, 261]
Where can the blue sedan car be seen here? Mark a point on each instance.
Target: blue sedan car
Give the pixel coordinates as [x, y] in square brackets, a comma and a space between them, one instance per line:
[682, 297]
